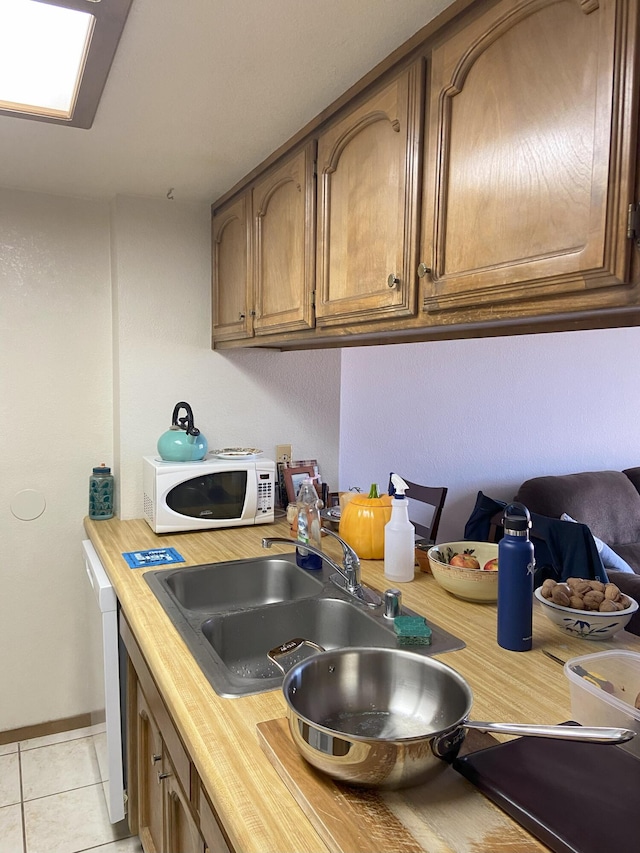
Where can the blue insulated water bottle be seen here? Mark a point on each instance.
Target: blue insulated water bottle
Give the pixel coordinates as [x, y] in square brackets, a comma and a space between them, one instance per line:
[515, 580]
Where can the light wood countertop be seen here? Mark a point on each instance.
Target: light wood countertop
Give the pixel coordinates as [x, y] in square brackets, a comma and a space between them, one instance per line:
[257, 810]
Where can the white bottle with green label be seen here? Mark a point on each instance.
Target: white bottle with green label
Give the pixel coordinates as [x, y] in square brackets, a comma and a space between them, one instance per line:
[399, 536]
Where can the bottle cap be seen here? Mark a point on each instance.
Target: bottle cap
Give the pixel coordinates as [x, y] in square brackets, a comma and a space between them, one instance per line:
[516, 523]
[397, 487]
[102, 469]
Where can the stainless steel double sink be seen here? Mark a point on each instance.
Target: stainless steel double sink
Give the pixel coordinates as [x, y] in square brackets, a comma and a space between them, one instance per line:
[231, 614]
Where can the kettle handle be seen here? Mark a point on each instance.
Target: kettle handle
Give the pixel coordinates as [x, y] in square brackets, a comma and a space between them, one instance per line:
[184, 423]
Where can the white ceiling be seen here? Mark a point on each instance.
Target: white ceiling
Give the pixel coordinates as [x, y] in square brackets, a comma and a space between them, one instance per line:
[201, 91]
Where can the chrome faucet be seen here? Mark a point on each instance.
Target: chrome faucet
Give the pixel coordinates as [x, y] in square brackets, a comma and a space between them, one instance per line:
[347, 575]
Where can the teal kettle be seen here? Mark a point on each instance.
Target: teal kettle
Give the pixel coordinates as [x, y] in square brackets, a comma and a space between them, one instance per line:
[182, 442]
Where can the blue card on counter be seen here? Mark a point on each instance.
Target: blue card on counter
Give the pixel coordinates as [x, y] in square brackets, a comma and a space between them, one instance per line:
[152, 557]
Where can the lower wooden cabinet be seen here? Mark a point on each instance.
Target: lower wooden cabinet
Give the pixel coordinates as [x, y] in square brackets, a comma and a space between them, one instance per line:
[149, 751]
[168, 807]
[182, 833]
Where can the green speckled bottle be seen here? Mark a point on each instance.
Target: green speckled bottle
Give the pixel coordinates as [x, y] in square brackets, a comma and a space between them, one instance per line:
[101, 493]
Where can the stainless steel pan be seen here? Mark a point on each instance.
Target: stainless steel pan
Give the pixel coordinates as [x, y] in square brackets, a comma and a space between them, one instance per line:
[389, 718]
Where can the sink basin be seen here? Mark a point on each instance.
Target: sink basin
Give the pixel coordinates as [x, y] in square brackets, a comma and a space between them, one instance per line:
[240, 584]
[231, 614]
[241, 639]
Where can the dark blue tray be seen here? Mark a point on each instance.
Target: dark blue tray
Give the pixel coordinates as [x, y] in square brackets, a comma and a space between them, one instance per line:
[574, 797]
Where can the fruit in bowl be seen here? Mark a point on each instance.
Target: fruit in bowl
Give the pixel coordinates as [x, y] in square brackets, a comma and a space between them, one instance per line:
[466, 560]
[468, 570]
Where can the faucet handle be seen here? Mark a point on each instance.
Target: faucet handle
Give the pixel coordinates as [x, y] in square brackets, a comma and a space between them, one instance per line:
[392, 603]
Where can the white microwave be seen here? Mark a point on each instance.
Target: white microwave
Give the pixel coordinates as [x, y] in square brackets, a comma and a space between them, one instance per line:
[208, 494]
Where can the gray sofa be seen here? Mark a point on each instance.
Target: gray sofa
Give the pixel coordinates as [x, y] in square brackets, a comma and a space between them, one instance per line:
[608, 502]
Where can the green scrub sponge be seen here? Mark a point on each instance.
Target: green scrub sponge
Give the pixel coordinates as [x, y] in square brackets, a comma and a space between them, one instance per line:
[412, 631]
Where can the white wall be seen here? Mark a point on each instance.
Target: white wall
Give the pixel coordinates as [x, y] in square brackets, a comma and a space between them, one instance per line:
[104, 326]
[249, 398]
[56, 393]
[488, 414]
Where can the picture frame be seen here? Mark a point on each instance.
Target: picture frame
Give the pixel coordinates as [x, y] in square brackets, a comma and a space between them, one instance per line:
[293, 478]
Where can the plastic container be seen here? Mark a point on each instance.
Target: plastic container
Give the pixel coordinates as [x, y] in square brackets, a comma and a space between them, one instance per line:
[101, 493]
[309, 525]
[399, 536]
[516, 563]
[593, 706]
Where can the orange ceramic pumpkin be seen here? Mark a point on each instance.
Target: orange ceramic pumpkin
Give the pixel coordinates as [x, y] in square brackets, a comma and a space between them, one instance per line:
[362, 524]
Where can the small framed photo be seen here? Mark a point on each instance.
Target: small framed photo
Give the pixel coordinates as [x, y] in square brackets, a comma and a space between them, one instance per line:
[293, 478]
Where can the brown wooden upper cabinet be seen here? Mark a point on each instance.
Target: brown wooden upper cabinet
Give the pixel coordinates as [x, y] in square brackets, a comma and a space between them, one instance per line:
[264, 253]
[483, 182]
[283, 211]
[232, 294]
[368, 178]
[530, 157]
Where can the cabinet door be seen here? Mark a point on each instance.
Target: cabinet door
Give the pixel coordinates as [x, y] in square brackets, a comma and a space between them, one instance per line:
[368, 166]
[529, 164]
[215, 841]
[231, 284]
[149, 788]
[284, 245]
[181, 831]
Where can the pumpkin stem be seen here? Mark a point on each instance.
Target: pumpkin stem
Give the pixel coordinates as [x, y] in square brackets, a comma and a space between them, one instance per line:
[373, 491]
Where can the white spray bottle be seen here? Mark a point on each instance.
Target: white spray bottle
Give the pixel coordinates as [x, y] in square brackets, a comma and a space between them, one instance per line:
[399, 536]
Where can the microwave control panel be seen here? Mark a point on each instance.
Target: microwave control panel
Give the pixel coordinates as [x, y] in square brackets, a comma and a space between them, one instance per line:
[265, 492]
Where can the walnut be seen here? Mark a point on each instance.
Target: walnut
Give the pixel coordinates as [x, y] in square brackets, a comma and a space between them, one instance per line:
[625, 601]
[593, 599]
[576, 602]
[608, 606]
[611, 591]
[597, 585]
[560, 595]
[546, 591]
[549, 583]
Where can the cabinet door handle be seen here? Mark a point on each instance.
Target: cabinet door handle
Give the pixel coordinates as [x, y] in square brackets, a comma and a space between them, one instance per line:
[155, 759]
[162, 776]
[423, 270]
[393, 281]
[242, 316]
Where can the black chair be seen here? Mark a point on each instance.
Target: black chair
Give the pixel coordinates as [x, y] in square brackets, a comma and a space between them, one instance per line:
[426, 525]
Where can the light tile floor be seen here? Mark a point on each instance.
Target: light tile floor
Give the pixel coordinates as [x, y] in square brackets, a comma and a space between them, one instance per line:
[51, 798]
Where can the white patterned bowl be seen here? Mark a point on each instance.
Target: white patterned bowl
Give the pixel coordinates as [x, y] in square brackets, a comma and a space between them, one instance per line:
[587, 624]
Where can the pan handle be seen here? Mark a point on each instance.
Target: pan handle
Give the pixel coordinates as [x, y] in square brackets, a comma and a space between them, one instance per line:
[593, 734]
[288, 648]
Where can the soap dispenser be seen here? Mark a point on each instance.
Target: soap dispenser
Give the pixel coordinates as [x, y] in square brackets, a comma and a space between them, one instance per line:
[309, 525]
[399, 535]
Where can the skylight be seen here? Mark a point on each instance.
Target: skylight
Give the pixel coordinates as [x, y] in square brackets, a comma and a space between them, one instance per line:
[56, 55]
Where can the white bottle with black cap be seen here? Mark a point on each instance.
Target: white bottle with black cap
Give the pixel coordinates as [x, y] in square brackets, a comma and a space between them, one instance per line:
[399, 536]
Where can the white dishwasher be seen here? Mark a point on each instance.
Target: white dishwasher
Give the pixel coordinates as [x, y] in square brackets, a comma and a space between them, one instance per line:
[108, 739]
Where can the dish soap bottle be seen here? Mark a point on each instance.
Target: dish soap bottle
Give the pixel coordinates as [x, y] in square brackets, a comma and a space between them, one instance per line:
[516, 563]
[309, 525]
[399, 536]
